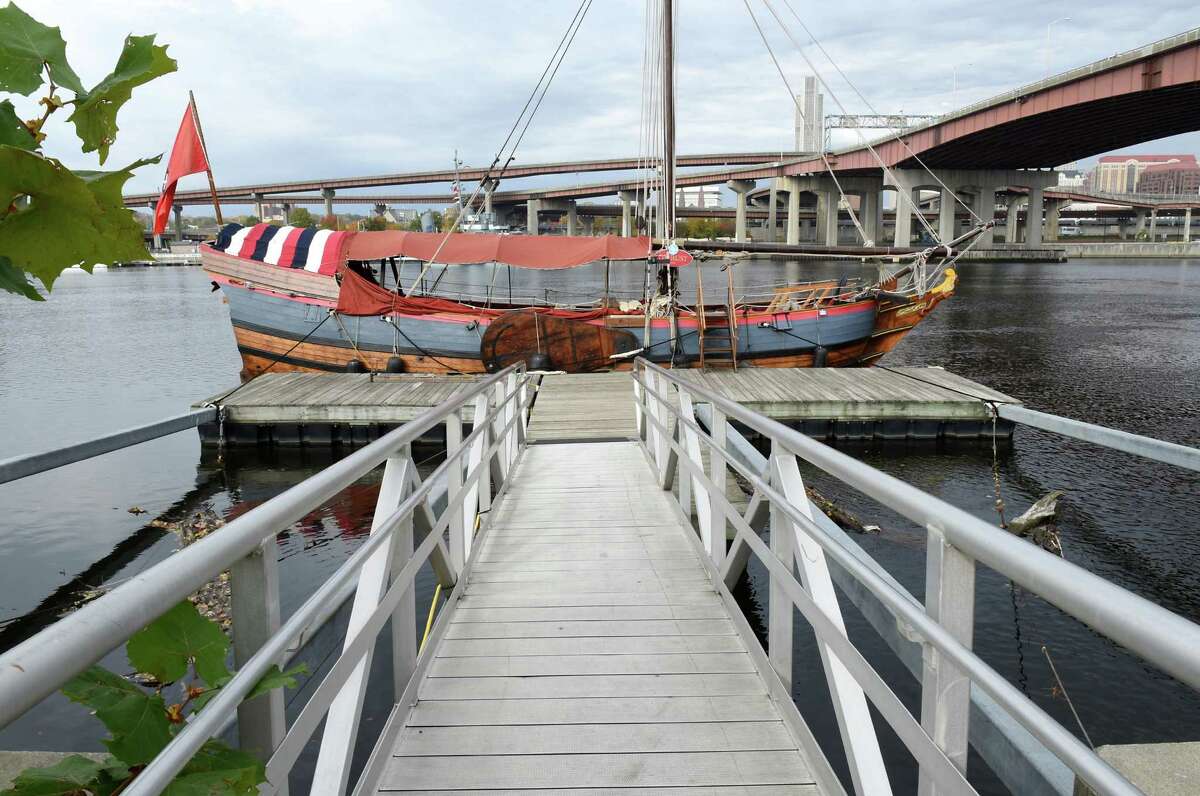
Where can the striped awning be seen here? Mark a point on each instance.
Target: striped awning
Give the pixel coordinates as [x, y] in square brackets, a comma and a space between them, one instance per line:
[315, 250]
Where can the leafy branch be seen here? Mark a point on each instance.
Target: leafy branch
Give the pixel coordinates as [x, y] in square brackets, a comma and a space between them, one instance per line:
[51, 217]
[180, 653]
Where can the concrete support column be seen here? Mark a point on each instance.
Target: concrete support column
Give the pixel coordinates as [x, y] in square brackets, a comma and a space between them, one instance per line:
[772, 213]
[327, 193]
[793, 219]
[1033, 218]
[827, 218]
[947, 204]
[258, 205]
[1012, 229]
[904, 206]
[870, 213]
[1053, 216]
[1187, 225]
[1140, 214]
[532, 208]
[157, 237]
[740, 188]
[1153, 221]
[626, 198]
[985, 208]
[572, 218]
[589, 225]
[178, 222]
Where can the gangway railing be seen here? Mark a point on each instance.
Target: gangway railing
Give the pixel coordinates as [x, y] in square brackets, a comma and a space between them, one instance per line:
[380, 573]
[665, 407]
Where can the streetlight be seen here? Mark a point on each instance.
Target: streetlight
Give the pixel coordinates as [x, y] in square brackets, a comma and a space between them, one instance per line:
[1049, 25]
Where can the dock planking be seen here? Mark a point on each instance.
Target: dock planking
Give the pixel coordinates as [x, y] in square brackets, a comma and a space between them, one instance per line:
[595, 666]
[830, 403]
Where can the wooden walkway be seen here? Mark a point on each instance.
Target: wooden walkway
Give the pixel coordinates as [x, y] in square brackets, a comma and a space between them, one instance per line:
[583, 406]
[591, 652]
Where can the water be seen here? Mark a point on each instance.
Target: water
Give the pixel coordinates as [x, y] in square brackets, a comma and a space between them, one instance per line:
[1112, 342]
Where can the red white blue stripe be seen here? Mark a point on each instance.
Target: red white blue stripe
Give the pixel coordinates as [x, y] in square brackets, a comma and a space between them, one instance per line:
[318, 251]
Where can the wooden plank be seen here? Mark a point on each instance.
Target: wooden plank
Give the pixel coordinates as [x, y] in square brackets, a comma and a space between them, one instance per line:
[579, 665]
[595, 771]
[566, 712]
[588, 645]
[608, 685]
[595, 738]
[599, 627]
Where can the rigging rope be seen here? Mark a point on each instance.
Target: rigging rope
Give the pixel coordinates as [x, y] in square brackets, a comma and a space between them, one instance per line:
[543, 84]
[841, 194]
[871, 108]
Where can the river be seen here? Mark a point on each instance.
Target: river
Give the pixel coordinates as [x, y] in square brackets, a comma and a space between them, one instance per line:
[1111, 342]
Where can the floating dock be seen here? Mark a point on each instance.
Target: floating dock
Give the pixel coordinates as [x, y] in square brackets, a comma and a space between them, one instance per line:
[828, 403]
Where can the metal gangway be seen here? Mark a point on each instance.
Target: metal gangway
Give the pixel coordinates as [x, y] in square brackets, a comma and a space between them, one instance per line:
[590, 640]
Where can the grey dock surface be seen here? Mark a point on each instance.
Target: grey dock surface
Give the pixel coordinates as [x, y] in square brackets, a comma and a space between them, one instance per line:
[583, 406]
[590, 651]
[830, 403]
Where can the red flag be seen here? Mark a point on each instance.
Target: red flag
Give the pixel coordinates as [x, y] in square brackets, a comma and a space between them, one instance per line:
[187, 157]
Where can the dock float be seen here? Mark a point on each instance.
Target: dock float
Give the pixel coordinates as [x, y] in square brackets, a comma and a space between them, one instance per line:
[827, 403]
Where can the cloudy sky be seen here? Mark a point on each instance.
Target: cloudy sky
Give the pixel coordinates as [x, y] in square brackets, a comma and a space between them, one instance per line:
[291, 89]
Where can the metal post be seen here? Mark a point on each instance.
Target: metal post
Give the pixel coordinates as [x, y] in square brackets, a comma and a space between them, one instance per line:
[718, 473]
[946, 689]
[254, 600]
[849, 703]
[779, 607]
[454, 479]
[341, 725]
[404, 618]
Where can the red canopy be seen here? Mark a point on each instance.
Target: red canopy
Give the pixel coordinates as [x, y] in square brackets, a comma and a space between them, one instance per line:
[523, 251]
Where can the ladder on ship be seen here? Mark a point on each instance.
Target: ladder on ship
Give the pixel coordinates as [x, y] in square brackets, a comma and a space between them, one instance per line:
[717, 342]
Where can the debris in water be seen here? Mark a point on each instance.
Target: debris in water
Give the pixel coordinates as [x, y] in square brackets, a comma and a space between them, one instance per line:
[136, 510]
[843, 518]
[1038, 523]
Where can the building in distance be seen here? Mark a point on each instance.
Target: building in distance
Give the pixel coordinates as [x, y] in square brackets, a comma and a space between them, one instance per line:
[1171, 178]
[1120, 173]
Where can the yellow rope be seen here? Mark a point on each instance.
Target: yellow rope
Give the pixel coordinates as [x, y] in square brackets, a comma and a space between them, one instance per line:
[429, 621]
[433, 605]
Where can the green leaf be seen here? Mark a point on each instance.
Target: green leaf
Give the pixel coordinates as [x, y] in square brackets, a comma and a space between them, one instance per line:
[70, 220]
[180, 636]
[13, 131]
[95, 115]
[13, 280]
[276, 679]
[137, 720]
[218, 769]
[26, 46]
[71, 776]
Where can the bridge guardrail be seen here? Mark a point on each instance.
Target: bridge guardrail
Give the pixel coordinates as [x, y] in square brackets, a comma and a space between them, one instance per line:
[385, 566]
[672, 439]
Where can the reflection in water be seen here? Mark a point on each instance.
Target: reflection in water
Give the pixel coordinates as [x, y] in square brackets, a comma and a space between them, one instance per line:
[1116, 343]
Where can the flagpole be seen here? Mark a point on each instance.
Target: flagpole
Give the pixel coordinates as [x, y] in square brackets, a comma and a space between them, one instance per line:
[212, 186]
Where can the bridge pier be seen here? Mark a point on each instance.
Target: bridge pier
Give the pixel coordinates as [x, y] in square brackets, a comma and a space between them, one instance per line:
[1139, 213]
[572, 218]
[828, 203]
[947, 204]
[1153, 222]
[904, 184]
[1053, 216]
[1033, 217]
[985, 208]
[773, 212]
[1187, 225]
[258, 205]
[287, 211]
[870, 208]
[327, 194]
[741, 188]
[532, 208]
[157, 238]
[627, 198]
[1012, 227]
[178, 222]
[793, 217]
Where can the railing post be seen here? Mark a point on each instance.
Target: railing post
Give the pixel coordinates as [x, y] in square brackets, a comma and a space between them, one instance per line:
[638, 400]
[718, 473]
[523, 408]
[500, 457]
[341, 725]
[404, 618]
[779, 608]
[478, 496]
[512, 408]
[849, 703]
[946, 689]
[254, 601]
[704, 500]
[454, 480]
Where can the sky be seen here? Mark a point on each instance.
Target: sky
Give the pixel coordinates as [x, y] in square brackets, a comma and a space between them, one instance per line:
[293, 89]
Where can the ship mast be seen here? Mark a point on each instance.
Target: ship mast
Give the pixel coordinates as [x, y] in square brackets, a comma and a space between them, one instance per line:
[666, 197]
